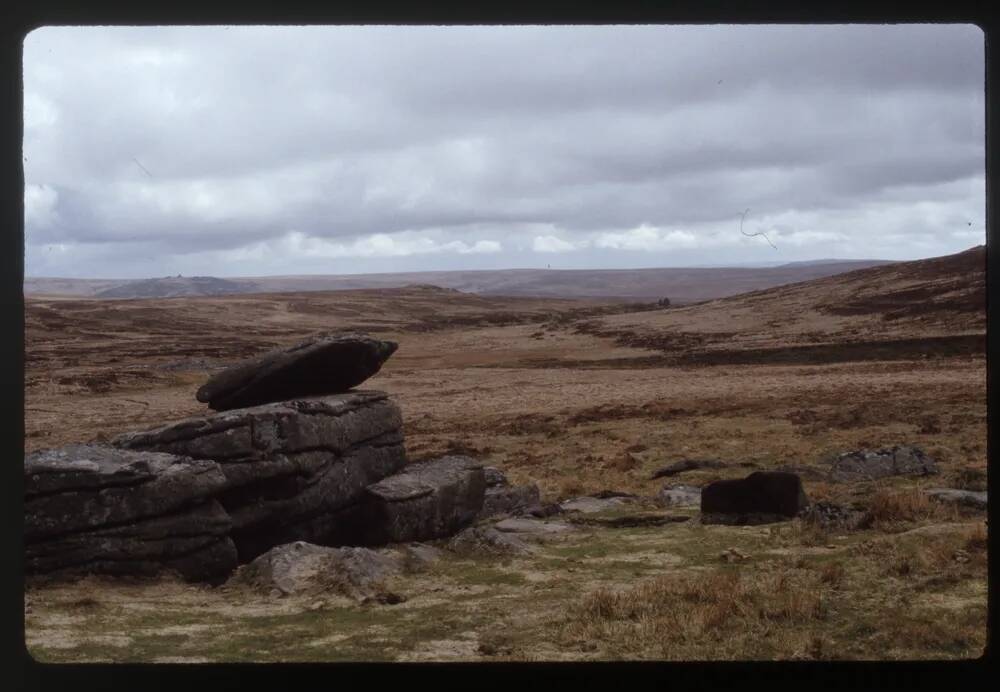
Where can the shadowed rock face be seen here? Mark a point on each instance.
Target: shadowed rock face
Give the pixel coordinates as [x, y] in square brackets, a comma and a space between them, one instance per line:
[326, 364]
[97, 509]
[429, 500]
[771, 494]
[295, 470]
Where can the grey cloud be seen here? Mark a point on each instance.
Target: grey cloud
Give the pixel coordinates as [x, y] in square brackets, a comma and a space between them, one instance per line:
[252, 133]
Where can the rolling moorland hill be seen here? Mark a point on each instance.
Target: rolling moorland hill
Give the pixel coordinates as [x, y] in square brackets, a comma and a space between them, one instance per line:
[680, 284]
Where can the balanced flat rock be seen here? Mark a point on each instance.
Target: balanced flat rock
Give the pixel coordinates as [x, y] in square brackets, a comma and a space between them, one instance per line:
[428, 500]
[326, 364]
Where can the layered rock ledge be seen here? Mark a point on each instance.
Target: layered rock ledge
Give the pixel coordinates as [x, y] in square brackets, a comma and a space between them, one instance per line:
[293, 470]
[92, 508]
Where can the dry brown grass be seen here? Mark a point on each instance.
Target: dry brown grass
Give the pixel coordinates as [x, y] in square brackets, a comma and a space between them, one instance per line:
[724, 614]
[888, 508]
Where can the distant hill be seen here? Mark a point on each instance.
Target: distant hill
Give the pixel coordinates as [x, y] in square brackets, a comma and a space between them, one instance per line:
[176, 286]
[923, 308]
[680, 284]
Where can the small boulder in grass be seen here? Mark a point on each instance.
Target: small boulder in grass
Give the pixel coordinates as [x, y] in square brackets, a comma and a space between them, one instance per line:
[761, 497]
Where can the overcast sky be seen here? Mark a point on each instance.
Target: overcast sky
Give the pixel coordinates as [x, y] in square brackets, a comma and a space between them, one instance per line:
[228, 151]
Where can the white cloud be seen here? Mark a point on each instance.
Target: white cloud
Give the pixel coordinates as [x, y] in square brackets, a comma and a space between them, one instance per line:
[382, 245]
[647, 238]
[550, 243]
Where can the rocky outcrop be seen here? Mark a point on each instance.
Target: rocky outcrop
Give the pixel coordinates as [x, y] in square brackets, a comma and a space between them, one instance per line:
[863, 465]
[91, 508]
[503, 498]
[761, 497]
[965, 498]
[428, 500]
[325, 364]
[295, 470]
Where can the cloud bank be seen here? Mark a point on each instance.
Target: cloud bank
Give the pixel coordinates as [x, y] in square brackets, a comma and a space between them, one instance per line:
[284, 150]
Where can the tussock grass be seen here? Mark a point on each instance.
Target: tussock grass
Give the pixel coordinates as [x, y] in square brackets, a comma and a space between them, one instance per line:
[888, 508]
[724, 614]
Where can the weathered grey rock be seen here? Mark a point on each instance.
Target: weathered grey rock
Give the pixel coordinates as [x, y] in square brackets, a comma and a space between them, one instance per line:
[687, 465]
[494, 477]
[679, 496]
[81, 487]
[194, 543]
[533, 529]
[429, 500]
[325, 364]
[829, 515]
[901, 460]
[486, 540]
[966, 498]
[761, 497]
[417, 556]
[97, 509]
[301, 568]
[294, 470]
[592, 504]
[510, 500]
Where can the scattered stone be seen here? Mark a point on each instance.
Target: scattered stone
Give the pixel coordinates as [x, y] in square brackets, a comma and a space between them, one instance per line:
[301, 568]
[541, 511]
[429, 500]
[829, 515]
[762, 497]
[965, 498]
[588, 505]
[533, 529]
[325, 364]
[101, 510]
[901, 460]
[509, 500]
[631, 520]
[687, 465]
[385, 598]
[679, 496]
[606, 494]
[417, 556]
[294, 470]
[733, 555]
[487, 540]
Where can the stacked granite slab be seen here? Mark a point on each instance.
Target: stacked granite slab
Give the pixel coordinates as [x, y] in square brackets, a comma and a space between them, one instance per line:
[91, 508]
[294, 470]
